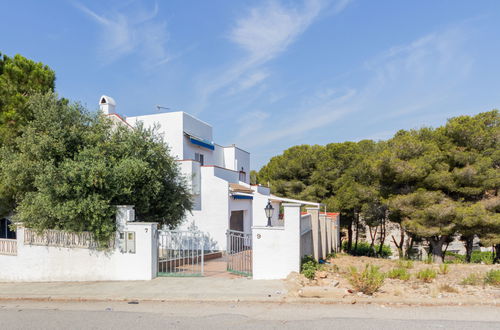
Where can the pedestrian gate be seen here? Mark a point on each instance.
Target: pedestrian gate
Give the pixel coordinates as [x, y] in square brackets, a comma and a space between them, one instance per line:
[239, 252]
[180, 253]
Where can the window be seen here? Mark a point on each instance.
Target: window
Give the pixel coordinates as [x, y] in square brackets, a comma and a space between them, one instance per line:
[199, 158]
[243, 176]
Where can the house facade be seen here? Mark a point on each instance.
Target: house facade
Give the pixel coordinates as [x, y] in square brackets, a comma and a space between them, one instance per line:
[218, 176]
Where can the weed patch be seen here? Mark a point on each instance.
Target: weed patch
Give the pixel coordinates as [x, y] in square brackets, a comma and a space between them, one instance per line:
[426, 275]
[472, 279]
[399, 273]
[444, 269]
[368, 281]
[492, 277]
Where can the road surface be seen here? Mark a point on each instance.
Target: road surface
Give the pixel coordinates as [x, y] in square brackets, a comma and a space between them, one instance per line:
[193, 315]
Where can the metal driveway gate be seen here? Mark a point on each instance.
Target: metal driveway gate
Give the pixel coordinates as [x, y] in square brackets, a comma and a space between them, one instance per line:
[239, 252]
[180, 253]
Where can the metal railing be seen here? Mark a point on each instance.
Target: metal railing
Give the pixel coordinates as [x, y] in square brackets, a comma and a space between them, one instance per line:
[8, 246]
[180, 253]
[239, 252]
[61, 238]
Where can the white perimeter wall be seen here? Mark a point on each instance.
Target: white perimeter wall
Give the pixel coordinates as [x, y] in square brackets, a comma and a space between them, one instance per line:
[276, 250]
[44, 263]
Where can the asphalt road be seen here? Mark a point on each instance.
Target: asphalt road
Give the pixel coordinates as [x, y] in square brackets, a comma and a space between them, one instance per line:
[122, 315]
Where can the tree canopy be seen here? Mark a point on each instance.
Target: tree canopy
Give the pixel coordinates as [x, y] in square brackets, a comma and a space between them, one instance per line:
[20, 78]
[433, 183]
[69, 168]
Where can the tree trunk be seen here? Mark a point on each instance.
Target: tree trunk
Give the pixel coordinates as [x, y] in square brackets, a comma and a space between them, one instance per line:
[409, 248]
[357, 232]
[373, 236]
[437, 249]
[468, 248]
[496, 260]
[401, 242]
[382, 236]
[349, 237]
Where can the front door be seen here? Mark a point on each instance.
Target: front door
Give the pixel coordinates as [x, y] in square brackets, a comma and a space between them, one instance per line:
[236, 221]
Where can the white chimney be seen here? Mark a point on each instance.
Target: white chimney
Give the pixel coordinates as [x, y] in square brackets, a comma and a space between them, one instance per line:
[107, 105]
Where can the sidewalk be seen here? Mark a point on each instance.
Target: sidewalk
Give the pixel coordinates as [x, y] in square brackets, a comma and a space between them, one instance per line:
[159, 289]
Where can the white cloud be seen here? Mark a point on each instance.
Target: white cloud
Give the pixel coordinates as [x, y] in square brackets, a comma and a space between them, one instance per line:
[263, 33]
[124, 35]
[268, 30]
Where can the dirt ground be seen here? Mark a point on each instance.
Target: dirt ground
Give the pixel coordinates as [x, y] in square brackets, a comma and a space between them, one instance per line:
[332, 282]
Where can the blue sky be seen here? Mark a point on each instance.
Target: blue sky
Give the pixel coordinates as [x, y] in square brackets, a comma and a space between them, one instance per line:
[270, 74]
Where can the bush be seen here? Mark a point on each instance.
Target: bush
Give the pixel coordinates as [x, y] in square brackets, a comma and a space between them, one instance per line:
[363, 249]
[309, 266]
[408, 264]
[444, 269]
[368, 281]
[492, 277]
[399, 273]
[479, 257]
[427, 275]
[472, 279]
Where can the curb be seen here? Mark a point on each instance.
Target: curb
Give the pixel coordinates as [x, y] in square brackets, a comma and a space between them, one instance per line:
[282, 300]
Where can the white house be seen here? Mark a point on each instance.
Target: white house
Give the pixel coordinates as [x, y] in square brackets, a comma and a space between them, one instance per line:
[219, 176]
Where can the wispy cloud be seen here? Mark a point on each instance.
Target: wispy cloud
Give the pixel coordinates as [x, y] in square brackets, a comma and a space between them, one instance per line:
[126, 34]
[403, 80]
[263, 33]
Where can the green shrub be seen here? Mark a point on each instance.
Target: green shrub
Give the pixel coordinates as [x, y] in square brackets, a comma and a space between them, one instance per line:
[472, 279]
[399, 273]
[363, 249]
[368, 281]
[427, 275]
[444, 269]
[408, 264]
[479, 257]
[309, 266]
[492, 277]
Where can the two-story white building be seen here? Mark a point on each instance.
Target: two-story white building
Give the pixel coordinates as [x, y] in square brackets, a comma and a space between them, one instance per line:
[219, 176]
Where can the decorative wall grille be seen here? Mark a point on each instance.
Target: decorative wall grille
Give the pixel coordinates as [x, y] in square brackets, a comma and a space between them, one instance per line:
[8, 246]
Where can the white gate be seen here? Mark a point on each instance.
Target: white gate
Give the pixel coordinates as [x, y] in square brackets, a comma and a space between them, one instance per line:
[180, 253]
[239, 252]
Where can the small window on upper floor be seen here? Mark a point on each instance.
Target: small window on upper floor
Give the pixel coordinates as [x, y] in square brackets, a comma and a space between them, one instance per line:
[243, 176]
[199, 158]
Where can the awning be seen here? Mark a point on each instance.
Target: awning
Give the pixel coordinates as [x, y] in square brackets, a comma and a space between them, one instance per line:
[200, 142]
[241, 196]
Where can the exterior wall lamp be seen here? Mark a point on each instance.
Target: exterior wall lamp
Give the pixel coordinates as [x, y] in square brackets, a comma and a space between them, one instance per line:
[269, 213]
